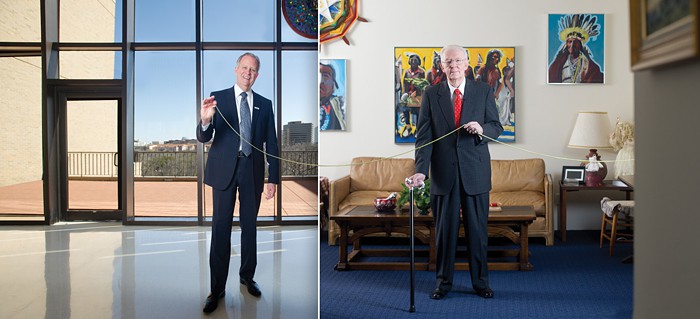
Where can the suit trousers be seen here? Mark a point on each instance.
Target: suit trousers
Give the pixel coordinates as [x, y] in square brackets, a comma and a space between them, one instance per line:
[224, 201]
[475, 210]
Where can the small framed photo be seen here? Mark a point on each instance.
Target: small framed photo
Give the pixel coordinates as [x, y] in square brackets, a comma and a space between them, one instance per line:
[573, 175]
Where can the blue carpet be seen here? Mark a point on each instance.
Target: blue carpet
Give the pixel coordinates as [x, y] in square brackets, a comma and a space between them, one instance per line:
[576, 279]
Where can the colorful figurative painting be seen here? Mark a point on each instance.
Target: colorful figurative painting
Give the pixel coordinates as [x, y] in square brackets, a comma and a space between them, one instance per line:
[417, 67]
[576, 48]
[331, 89]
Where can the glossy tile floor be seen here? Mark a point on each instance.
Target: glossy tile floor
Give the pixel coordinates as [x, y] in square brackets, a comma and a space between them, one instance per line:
[106, 270]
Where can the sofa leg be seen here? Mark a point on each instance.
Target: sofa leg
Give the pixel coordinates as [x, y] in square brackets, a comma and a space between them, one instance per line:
[549, 240]
[332, 240]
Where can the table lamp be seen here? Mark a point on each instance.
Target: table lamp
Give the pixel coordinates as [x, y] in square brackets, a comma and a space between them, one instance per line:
[592, 131]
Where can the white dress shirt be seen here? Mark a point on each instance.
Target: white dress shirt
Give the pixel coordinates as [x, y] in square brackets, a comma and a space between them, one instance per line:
[452, 90]
[237, 93]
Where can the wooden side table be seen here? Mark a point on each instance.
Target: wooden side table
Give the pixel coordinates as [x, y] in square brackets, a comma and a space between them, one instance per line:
[607, 185]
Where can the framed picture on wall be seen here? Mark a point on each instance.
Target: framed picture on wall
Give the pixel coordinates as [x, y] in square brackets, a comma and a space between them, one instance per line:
[417, 67]
[661, 36]
[332, 93]
[576, 48]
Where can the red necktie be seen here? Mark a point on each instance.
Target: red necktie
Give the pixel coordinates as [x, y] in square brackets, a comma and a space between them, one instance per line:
[458, 106]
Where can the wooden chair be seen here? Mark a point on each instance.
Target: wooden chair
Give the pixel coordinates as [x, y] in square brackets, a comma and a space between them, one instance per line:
[616, 220]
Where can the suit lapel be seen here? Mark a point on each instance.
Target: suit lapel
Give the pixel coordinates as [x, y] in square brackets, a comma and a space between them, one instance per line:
[233, 118]
[231, 112]
[256, 113]
[445, 103]
[469, 99]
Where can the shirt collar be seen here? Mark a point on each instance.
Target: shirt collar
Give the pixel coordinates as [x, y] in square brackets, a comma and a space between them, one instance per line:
[237, 91]
[461, 87]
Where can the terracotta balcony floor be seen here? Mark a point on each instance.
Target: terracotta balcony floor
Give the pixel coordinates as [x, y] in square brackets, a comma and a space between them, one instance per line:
[154, 198]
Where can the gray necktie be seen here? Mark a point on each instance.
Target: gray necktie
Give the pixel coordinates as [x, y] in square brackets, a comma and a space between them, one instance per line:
[245, 125]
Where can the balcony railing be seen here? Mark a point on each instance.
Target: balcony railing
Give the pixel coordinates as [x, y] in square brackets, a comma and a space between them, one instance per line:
[296, 168]
[173, 164]
[92, 164]
[157, 164]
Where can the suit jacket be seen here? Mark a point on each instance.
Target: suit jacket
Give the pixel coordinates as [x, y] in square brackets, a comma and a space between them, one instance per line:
[223, 154]
[459, 153]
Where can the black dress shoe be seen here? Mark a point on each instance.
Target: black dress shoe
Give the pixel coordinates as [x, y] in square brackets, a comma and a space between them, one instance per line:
[253, 288]
[438, 294]
[212, 302]
[484, 293]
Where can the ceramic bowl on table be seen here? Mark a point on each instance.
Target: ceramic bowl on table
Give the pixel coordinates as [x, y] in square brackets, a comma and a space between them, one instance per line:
[382, 204]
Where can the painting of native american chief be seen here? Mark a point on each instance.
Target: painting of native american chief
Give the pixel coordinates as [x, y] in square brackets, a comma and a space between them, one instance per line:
[415, 68]
[576, 48]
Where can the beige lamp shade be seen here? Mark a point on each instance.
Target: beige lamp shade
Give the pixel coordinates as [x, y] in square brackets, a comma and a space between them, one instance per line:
[592, 131]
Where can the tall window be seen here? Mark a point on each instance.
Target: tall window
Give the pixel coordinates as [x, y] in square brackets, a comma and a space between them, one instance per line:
[20, 21]
[238, 21]
[165, 146]
[159, 21]
[228, 29]
[299, 138]
[21, 187]
[90, 21]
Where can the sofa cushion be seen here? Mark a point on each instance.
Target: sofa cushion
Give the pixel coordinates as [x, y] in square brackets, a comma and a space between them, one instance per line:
[517, 175]
[521, 198]
[376, 174]
[361, 198]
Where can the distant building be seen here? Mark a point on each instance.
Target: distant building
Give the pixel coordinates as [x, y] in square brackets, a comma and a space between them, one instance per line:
[183, 145]
[172, 147]
[296, 132]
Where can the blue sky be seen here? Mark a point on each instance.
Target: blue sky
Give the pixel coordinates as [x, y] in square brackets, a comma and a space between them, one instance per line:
[165, 93]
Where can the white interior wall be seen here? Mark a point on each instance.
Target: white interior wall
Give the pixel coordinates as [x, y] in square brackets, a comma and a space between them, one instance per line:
[545, 114]
[666, 278]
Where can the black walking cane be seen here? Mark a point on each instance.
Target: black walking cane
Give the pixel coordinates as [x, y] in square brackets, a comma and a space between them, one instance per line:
[412, 307]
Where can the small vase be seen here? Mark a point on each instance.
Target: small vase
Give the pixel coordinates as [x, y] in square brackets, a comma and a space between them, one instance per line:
[424, 210]
[595, 178]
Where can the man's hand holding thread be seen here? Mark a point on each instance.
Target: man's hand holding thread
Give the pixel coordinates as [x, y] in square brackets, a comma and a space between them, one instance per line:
[207, 110]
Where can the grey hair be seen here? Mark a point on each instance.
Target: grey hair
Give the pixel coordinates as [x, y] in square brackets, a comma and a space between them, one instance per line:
[257, 60]
[451, 47]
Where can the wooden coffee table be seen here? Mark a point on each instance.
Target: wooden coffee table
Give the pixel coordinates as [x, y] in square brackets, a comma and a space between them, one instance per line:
[365, 220]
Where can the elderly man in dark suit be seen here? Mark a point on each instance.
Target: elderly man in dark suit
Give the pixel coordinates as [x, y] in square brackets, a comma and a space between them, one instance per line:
[236, 164]
[459, 166]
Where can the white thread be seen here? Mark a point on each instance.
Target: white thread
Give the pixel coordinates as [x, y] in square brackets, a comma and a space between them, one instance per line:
[399, 154]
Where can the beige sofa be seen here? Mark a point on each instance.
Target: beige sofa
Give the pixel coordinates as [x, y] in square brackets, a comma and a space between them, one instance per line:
[515, 182]
[524, 182]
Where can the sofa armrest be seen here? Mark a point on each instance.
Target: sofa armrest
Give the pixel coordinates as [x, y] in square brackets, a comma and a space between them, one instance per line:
[549, 210]
[340, 188]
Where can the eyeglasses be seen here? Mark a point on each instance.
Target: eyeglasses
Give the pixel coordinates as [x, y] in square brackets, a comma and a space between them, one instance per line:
[457, 61]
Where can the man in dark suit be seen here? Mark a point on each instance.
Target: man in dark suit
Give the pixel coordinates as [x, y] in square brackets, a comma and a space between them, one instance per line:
[459, 166]
[234, 165]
